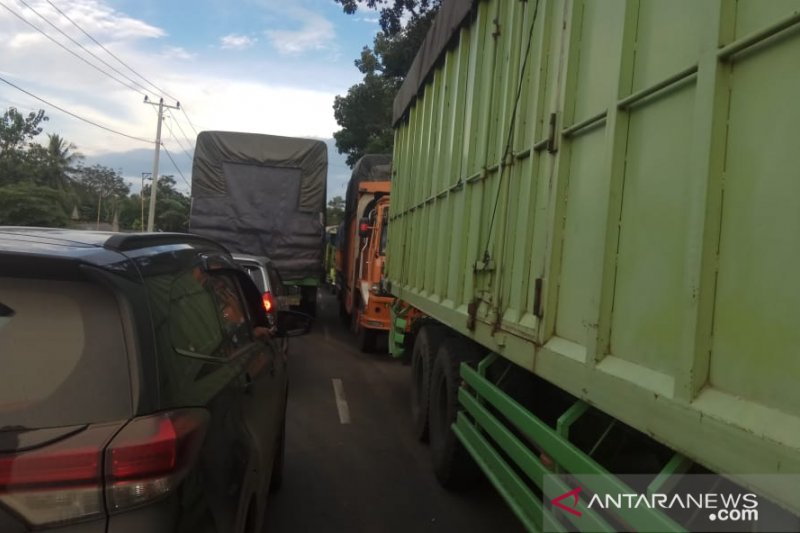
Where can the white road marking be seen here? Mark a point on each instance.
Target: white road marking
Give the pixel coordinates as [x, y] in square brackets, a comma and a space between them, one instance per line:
[341, 402]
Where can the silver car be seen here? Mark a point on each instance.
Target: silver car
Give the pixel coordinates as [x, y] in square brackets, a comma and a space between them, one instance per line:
[262, 271]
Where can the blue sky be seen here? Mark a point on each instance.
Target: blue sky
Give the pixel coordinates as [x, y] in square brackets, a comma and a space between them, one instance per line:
[265, 66]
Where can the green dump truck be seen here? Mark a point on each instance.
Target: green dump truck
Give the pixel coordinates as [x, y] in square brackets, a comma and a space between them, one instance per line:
[595, 246]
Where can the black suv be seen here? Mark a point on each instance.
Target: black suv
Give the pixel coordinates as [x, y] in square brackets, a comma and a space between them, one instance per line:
[141, 387]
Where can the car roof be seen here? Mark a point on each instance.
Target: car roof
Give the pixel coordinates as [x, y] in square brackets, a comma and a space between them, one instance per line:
[65, 243]
[261, 259]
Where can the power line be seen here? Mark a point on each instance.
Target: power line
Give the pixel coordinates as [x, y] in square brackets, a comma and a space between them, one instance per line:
[86, 120]
[98, 43]
[176, 167]
[178, 142]
[174, 137]
[179, 127]
[189, 121]
[62, 32]
[87, 34]
[32, 25]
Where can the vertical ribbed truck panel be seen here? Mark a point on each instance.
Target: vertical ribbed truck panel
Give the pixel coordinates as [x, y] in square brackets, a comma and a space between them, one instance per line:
[606, 194]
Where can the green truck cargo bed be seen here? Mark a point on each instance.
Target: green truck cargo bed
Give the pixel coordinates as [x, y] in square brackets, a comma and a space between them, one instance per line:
[608, 195]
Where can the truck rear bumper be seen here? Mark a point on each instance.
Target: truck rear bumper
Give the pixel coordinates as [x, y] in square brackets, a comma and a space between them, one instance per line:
[376, 314]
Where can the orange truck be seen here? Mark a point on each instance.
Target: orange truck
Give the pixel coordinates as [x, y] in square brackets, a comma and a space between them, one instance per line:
[364, 304]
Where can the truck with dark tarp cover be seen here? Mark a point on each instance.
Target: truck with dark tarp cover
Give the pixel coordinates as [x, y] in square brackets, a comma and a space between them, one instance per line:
[596, 217]
[264, 195]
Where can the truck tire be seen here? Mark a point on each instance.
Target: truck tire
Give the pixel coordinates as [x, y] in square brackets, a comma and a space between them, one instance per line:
[366, 340]
[344, 316]
[426, 344]
[452, 464]
[365, 336]
[308, 300]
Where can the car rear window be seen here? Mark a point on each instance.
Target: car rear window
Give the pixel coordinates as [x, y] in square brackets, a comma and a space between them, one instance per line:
[255, 274]
[62, 354]
[275, 281]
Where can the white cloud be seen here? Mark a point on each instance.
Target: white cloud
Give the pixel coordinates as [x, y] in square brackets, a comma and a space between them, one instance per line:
[97, 18]
[217, 94]
[238, 105]
[23, 40]
[316, 33]
[176, 52]
[236, 42]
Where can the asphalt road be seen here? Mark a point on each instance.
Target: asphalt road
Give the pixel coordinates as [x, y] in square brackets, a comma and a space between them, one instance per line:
[353, 465]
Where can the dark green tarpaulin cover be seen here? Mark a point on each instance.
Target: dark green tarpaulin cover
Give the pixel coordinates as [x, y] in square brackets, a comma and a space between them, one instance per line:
[262, 195]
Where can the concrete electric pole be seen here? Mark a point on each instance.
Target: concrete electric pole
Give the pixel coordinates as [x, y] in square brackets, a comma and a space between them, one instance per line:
[151, 217]
[141, 197]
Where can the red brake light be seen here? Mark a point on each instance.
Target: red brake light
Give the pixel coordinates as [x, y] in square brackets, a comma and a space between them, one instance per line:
[363, 228]
[268, 303]
[148, 458]
[57, 483]
[67, 467]
[63, 482]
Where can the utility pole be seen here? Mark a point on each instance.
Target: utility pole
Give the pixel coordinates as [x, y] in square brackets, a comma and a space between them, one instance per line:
[141, 197]
[161, 105]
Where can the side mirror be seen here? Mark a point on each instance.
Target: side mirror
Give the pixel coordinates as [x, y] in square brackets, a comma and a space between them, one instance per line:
[292, 323]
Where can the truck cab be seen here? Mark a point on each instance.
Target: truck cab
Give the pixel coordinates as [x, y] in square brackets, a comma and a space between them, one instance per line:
[373, 313]
[364, 303]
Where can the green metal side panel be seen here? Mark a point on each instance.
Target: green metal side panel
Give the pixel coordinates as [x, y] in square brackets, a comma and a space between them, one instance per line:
[644, 258]
[583, 237]
[756, 334]
[652, 248]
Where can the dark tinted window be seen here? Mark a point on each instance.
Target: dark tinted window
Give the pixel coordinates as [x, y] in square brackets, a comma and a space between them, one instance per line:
[255, 273]
[63, 359]
[206, 314]
[193, 344]
[275, 282]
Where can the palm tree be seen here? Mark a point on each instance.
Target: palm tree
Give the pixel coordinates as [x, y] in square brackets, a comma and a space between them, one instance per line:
[62, 159]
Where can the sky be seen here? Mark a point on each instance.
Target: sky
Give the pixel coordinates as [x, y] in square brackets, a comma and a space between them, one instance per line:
[262, 66]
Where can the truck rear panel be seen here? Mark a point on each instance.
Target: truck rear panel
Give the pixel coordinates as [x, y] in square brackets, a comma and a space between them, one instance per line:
[637, 244]
[263, 195]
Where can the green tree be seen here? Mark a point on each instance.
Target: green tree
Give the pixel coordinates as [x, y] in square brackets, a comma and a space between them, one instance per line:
[365, 115]
[392, 11]
[101, 189]
[172, 206]
[16, 130]
[61, 160]
[130, 213]
[26, 204]
[335, 211]
[365, 112]
[19, 157]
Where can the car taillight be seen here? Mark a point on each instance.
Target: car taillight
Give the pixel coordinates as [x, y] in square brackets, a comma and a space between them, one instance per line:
[64, 482]
[150, 456]
[59, 483]
[269, 304]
